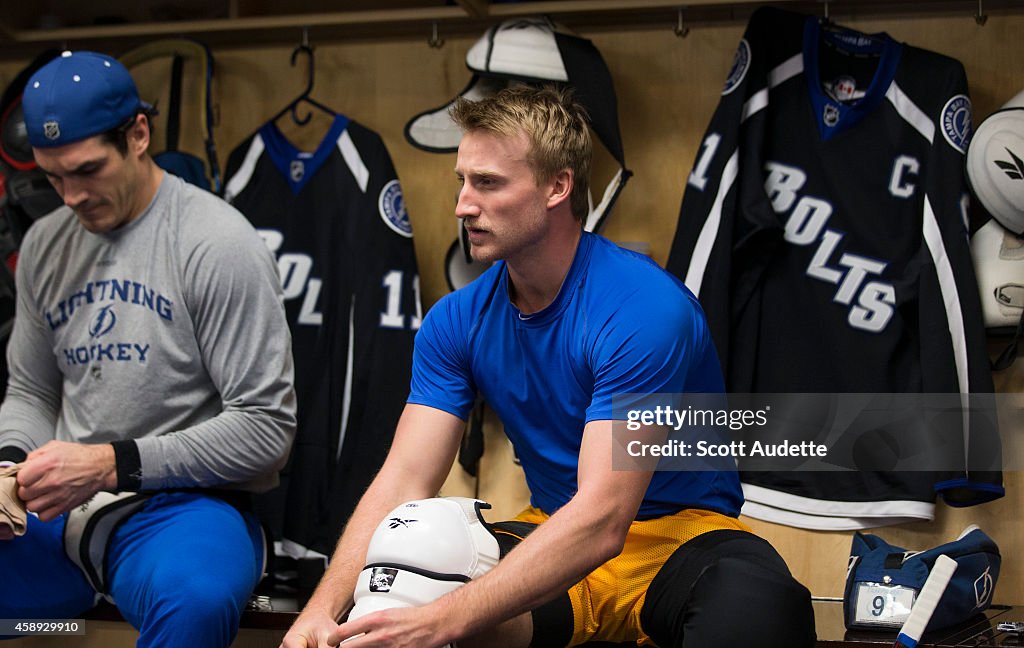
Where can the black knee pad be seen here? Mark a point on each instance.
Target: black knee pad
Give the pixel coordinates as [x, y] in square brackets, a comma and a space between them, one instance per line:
[552, 621]
[510, 533]
[727, 588]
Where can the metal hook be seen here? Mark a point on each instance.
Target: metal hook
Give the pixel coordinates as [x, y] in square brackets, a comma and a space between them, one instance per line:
[308, 51]
[680, 30]
[435, 41]
[980, 17]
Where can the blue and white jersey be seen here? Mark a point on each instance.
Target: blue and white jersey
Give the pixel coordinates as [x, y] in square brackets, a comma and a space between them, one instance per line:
[335, 220]
[824, 229]
[619, 325]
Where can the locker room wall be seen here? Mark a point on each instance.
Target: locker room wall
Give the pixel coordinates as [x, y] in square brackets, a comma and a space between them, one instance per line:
[668, 88]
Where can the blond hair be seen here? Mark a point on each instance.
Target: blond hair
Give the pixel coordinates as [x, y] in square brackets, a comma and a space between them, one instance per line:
[554, 122]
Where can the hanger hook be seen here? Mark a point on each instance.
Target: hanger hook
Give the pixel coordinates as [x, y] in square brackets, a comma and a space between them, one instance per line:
[680, 30]
[980, 17]
[435, 41]
[304, 48]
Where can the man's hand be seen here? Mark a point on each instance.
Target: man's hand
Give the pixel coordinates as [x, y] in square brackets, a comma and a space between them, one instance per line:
[417, 627]
[425, 444]
[310, 630]
[60, 475]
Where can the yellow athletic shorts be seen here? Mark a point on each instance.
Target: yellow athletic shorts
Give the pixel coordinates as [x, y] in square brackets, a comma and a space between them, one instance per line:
[606, 604]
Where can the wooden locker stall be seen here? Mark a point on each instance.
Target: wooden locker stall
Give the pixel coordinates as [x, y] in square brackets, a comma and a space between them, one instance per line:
[668, 87]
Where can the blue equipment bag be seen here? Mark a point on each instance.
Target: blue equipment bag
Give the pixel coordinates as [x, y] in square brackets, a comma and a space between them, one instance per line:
[883, 580]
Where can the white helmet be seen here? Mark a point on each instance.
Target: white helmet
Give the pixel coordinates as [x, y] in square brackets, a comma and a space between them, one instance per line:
[421, 551]
[995, 164]
[998, 256]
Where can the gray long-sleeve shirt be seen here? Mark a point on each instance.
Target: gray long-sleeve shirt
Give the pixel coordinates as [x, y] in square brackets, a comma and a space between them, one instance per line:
[169, 330]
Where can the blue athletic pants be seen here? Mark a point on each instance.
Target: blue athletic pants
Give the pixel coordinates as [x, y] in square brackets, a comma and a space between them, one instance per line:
[180, 571]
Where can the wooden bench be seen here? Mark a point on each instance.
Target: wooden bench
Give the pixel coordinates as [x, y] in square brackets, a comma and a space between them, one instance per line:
[980, 632]
[263, 625]
[269, 617]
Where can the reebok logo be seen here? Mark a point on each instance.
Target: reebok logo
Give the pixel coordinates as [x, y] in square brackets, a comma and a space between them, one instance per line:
[394, 523]
[1014, 169]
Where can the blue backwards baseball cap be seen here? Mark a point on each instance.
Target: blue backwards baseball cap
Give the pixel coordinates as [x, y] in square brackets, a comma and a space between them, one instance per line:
[78, 95]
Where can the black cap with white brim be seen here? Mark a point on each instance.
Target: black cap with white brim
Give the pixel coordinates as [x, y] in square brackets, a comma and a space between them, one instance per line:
[535, 51]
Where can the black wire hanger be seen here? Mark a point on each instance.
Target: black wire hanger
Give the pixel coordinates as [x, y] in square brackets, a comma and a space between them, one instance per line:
[304, 97]
[826, 19]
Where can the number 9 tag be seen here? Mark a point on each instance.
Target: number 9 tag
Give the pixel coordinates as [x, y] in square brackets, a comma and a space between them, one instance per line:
[882, 606]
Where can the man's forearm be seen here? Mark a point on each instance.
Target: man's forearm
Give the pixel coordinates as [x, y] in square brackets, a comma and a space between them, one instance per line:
[421, 455]
[547, 563]
[235, 447]
[587, 531]
[333, 595]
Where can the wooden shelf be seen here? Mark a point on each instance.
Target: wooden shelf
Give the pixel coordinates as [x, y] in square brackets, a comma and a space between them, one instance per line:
[251, 22]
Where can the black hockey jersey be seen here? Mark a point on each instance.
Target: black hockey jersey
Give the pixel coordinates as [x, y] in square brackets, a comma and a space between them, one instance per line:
[823, 228]
[336, 221]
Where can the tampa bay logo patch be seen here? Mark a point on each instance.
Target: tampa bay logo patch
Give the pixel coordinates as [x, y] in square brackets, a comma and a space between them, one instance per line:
[392, 209]
[740, 65]
[956, 122]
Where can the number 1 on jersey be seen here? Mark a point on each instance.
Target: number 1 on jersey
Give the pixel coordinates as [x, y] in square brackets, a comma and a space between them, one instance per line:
[699, 175]
[392, 317]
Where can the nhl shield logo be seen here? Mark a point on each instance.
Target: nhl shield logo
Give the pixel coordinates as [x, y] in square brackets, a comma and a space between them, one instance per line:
[297, 170]
[830, 115]
[51, 130]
